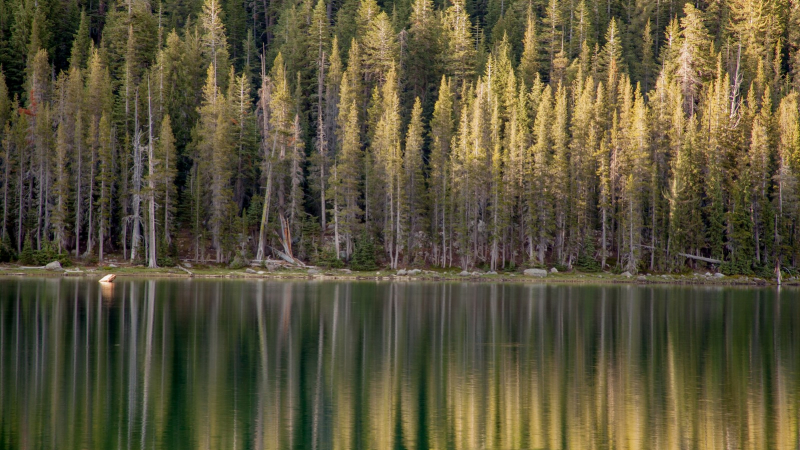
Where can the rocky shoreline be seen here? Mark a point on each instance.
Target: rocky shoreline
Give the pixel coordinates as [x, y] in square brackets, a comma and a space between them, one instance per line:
[402, 275]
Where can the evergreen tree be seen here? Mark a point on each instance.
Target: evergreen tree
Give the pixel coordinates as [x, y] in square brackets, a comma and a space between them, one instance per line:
[414, 183]
[441, 135]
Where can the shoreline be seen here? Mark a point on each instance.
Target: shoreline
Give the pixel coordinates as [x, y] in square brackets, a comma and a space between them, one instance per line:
[317, 274]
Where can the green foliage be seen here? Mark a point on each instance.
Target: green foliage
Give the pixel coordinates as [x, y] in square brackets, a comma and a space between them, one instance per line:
[26, 256]
[327, 258]
[586, 261]
[239, 261]
[456, 133]
[737, 267]
[165, 261]
[363, 258]
[46, 255]
[7, 252]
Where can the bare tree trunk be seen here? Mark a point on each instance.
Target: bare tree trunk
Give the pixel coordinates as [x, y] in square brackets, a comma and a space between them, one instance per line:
[79, 184]
[91, 206]
[21, 202]
[39, 230]
[136, 219]
[6, 173]
[265, 95]
[322, 141]
[101, 238]
[151, 185]
[336, 215]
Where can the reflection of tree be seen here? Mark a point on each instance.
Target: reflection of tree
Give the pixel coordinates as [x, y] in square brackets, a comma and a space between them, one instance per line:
[317, 365]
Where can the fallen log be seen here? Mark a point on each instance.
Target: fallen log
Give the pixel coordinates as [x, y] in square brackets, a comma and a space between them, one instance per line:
[185, 269]
[686, 255]
[701, 258]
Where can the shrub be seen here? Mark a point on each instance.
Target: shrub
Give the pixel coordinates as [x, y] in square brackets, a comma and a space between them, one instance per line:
[7, 252]
[165, 261]
[586, 261]
[364, 255]
[327, 258]
[46, 255]
[240, 261]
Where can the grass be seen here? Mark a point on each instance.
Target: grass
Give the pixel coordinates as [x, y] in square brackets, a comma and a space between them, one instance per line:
[434, 274]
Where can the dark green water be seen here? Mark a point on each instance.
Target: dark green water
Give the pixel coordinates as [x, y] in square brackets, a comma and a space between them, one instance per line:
[242, 364]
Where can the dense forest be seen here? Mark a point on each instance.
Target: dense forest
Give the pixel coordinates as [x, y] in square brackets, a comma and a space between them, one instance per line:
[646, 135]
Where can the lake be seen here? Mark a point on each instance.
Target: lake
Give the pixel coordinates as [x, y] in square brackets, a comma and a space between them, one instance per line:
[194, 364]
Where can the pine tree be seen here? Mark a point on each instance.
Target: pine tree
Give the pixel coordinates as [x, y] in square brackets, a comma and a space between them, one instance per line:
[441, 135]
[165, 172]
[529, 62]
[561, 180]
[693, 65]
[346, 177]
[214, 39]
[105, 176]
[379, 50]
[423, 62]
[460, 62]
[385, 174]
[541, 190]
[60, 188]
[414, 182]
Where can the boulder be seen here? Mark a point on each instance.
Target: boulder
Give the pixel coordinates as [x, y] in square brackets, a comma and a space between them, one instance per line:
[626, 274]
[641, 278]
[414, 272]
[719, 275]
[402, 273]
[476, 274]
[707, 274]
[108, 278]
[187, 265]
[248, 270]
[491, 272]
[55, 265]
[464, 273]
[553, 270]
[313, 271]
[540, 273]
[345, 271]
[261, 272]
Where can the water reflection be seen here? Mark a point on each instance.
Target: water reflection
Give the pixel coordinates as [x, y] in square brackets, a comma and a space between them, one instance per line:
[203, 364]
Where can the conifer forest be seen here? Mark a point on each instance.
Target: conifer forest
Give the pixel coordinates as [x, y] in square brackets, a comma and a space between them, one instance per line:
[638, 135]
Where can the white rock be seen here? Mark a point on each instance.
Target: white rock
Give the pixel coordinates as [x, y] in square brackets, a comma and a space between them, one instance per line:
[108, 278]
[464, 273]
[491, 272]
[641, 278]
[55, 265]
[186, 264]
[707, 274]
[261, 272]
[540, 273]
[553, 270]
[248, 270]
[719, 275]
[414, 272]
[626, 274]
[402, 273]
[112, 266]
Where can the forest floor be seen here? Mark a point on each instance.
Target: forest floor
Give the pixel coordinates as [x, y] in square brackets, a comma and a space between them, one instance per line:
[314, 273]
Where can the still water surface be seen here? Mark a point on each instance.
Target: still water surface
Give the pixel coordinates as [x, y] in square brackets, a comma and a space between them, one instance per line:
[258, 364]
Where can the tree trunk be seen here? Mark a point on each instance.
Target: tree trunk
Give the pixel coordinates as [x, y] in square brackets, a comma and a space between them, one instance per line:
[151, 185]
